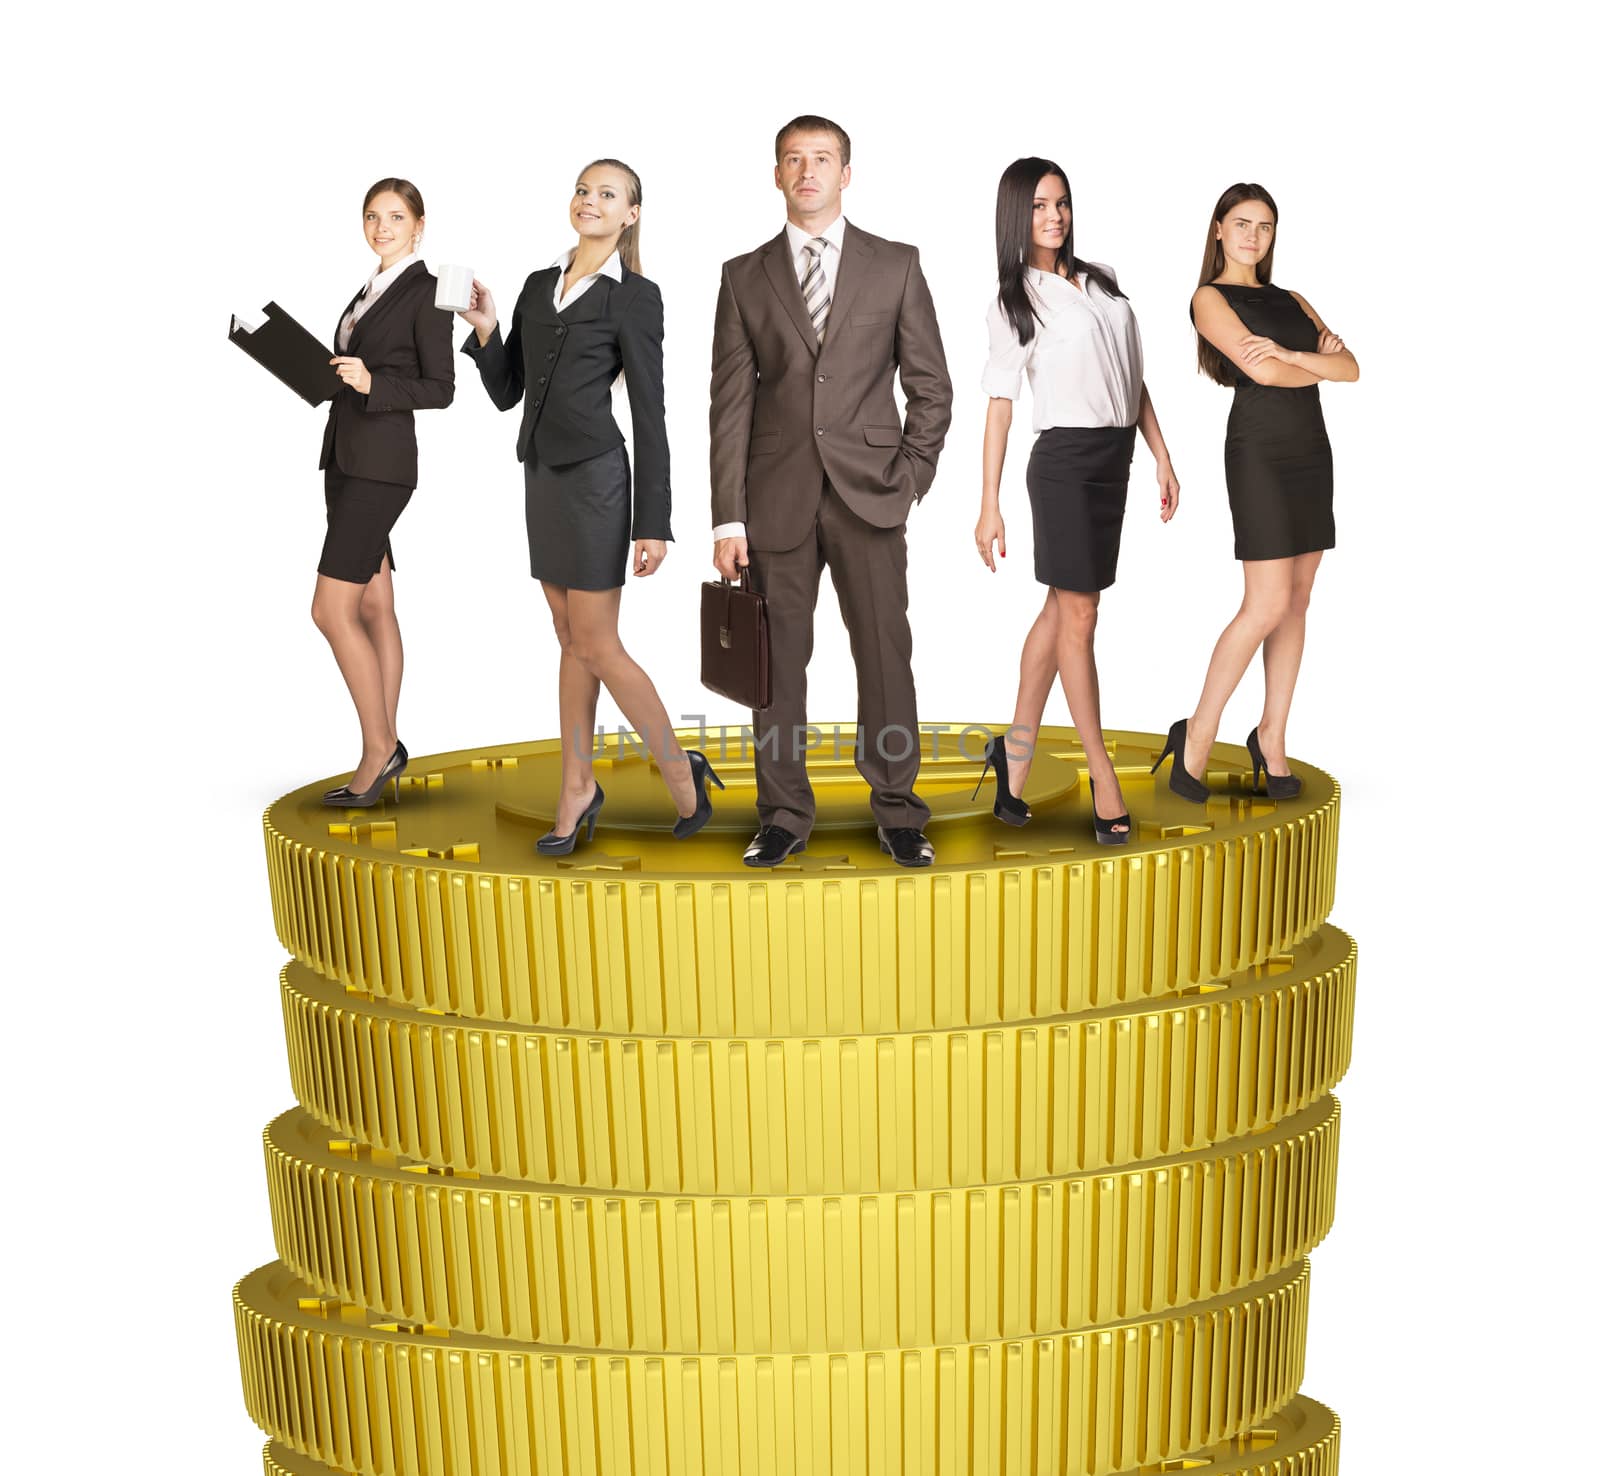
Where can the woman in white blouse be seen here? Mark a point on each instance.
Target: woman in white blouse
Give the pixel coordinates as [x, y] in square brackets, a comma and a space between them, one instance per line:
[1069, 326]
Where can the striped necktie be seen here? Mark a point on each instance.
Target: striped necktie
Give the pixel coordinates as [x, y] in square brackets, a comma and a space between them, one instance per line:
[814, 287]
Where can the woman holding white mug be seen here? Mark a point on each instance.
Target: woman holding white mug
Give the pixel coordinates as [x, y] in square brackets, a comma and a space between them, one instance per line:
[576, 326]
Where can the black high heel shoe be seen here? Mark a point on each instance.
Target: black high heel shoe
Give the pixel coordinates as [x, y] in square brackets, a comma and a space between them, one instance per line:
[700, 768]
[1279, 786]
[1007, 806]
[1182, 782]
[346, 798]
[551, 844]
[1105, 831]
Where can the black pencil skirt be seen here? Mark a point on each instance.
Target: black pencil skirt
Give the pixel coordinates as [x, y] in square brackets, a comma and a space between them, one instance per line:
[1078, 485]
[361, 515]
[579, 516]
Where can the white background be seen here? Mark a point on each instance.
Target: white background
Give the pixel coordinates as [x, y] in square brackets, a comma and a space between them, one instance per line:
[168, 167]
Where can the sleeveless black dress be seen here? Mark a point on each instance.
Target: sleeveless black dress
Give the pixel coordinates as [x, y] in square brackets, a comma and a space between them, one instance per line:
[1277, 458]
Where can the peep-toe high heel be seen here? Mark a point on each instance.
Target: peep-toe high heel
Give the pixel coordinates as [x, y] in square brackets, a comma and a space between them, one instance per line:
[1105, 831]
[1007, 806]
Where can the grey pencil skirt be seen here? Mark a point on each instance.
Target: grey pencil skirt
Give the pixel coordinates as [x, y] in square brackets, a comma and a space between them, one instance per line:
[579, 516]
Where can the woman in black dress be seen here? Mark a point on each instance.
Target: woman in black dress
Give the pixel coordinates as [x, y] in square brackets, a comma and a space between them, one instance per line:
[577, 326]
[1274, 350]
[1067, 325]
[393, 357]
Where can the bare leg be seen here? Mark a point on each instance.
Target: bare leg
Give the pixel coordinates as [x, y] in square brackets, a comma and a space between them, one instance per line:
[1280, 659]
[1267, 584]
[1034, 681]
[1076, 616]
[592, 616]
[383, 630]
[578, 694]
[336, 609]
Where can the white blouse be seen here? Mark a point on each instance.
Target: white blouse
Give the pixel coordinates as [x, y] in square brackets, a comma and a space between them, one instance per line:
[1084, 362]
[377, 284]
[561, 298]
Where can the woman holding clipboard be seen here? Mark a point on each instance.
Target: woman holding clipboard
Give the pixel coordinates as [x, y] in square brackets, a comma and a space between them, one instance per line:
[575, 328]
[393, 356]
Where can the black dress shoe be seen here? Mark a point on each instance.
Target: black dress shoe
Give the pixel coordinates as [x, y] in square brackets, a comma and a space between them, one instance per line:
[772, 846]
[908, 845]
[346, 798]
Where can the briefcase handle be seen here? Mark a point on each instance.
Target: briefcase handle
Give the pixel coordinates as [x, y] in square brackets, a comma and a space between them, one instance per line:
[725, 629]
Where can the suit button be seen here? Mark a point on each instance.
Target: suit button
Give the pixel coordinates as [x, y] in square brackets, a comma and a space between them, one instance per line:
[551, 354]
[541, 379]
[560, 332]
[821, 431]
[822, 379]
[537, 404]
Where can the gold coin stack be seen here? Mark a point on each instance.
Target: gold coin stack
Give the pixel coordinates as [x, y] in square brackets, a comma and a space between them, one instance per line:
[637, 1162]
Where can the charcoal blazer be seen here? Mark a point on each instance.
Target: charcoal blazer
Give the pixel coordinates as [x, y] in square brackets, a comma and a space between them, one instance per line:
[404, 341]
[785, 413]
[561, 366]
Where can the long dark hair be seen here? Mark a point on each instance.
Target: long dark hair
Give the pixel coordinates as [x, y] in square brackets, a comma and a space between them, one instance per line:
[1013, 242]
[628, 243]
[1213, 363]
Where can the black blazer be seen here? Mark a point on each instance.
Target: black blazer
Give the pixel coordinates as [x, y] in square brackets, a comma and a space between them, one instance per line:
[404, 340]
[562, 366]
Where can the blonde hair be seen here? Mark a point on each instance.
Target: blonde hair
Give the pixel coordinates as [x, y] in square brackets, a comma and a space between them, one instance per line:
[628, 246]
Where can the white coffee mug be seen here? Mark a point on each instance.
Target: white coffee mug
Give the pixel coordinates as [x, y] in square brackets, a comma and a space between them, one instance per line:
[454, 292]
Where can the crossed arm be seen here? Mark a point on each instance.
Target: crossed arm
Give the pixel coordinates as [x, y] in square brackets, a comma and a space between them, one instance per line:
[1265, 361]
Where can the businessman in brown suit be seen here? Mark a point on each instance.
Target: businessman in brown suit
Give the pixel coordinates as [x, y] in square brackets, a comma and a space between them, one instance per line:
[810, 466]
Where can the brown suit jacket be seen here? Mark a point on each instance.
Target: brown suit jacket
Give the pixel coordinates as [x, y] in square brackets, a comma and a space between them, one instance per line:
[784, 414]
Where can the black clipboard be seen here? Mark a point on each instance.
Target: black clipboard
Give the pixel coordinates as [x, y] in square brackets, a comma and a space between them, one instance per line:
[283, 347]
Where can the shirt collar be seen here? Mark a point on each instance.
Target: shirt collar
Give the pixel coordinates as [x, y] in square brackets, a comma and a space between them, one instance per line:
[610, 267]
[1038, 278]
[385, 275]
[834, 236]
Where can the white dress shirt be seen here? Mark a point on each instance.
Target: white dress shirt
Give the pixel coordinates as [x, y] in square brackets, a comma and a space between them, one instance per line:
[832, 245]
[1084, 363]
[377, 284]
[610, 267]
[799, 239]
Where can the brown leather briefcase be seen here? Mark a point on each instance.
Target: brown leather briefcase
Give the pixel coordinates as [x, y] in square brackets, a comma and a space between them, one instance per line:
[734, 650]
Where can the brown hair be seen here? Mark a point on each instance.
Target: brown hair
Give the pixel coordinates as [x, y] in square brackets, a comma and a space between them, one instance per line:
[628, 244]
[401, 187]
[1213, 363]
[811, 123]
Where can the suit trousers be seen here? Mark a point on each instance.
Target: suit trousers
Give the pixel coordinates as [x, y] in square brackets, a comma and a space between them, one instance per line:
[868, 567]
